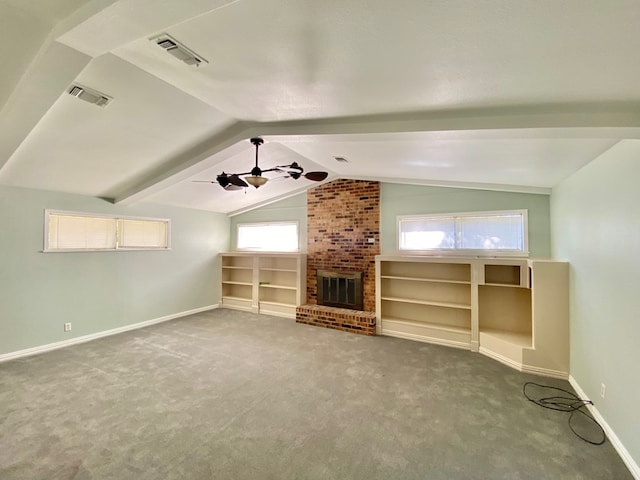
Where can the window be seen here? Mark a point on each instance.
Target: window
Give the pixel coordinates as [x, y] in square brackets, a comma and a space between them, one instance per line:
[71, 231]
[479, 233]
[142, 233]
[268, 237]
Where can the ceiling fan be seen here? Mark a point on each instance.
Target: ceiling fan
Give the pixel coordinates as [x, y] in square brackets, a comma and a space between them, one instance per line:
[233, 181]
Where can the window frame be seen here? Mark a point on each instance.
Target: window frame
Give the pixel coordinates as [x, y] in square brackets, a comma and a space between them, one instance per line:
[281, 222]
[117, 218]
[467, 252]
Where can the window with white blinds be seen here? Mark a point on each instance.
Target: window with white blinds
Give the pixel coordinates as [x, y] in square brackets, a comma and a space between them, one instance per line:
[72, 231]
[142, 233]
[268, 237]
[476, 233]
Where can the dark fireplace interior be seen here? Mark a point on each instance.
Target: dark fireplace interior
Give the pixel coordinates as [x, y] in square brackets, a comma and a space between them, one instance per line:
[339, 289]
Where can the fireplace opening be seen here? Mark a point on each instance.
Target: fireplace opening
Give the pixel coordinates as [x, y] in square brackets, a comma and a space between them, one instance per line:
[339, 289]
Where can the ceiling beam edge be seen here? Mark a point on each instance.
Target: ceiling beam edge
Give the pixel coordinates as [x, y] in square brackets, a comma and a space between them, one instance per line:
[186, 164]
[190, 162]
[577, 116]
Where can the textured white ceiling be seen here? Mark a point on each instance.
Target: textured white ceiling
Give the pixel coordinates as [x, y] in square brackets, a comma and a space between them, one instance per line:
[497, 94]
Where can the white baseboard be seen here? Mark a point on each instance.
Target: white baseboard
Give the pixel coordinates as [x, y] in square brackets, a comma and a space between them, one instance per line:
[424, 339]
[87, 338]
[501, 358]
[545, 372]
[613, 438]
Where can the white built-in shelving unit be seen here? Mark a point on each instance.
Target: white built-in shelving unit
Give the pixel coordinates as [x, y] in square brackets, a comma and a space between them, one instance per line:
[271, 283]
[428, 301]
[513, 310]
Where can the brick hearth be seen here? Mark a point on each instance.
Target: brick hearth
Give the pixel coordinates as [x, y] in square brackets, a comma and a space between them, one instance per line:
[354, 321]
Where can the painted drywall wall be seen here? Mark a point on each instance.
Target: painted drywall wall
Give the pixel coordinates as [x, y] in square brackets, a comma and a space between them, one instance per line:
[292, 209]
[595, 225]
[397, 199]
[98, 291]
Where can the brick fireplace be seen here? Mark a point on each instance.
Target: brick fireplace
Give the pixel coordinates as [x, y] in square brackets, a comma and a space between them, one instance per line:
[343, 236]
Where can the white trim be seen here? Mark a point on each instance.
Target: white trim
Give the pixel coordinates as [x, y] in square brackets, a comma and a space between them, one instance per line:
[498, 187]
[545, 372]
[94, 336]
[423, 339]
[48, 212]
[628, 460]
[500, 358]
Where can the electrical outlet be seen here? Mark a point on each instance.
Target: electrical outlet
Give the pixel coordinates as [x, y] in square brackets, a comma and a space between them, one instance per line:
[602, 389]
[67, 327]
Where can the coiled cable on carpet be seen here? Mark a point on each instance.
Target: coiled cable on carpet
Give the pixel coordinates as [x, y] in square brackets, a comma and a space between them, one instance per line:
[565, 401]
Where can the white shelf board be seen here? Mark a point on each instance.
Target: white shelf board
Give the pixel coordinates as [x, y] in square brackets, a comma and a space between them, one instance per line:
[277, 304]
[513, 338]
[238, 299]
[280, 287]
[417, 301]
[430, 280]
[508, 285]
[431, 325]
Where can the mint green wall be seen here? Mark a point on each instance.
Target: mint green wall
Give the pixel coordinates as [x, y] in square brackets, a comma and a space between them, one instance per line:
[98, 291]
[289, 209]
[595, 224]
[397, 199]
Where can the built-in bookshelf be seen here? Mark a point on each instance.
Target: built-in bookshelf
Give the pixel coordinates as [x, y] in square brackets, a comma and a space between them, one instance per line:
[513, 310]
[271, 283]
[428, 301]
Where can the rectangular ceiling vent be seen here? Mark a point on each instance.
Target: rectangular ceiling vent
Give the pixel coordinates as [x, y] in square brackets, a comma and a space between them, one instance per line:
[178, 50]
[89, 95]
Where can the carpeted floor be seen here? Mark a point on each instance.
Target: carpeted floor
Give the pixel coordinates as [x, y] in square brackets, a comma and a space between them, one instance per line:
[231, 395]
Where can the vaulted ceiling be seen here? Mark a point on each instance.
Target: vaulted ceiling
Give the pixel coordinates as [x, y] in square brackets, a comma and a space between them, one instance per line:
[498, 94]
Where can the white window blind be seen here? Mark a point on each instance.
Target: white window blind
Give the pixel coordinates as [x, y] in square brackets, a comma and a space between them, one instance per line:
[70, 232]
[504, 232]
[73, 231]
[142, 233]
[268, 237]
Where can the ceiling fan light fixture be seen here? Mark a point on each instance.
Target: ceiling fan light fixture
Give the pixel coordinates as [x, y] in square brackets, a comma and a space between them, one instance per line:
[256, 180]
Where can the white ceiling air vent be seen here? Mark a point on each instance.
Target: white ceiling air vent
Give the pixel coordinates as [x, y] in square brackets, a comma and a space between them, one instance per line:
[89, 95]
[178, 50]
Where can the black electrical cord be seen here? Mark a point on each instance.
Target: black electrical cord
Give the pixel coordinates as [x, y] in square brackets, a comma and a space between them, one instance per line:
[571, 403]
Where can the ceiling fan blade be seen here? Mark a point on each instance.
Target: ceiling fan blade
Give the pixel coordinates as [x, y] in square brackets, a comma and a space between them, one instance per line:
[316, 176]
[203, 181]
[237, 181]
